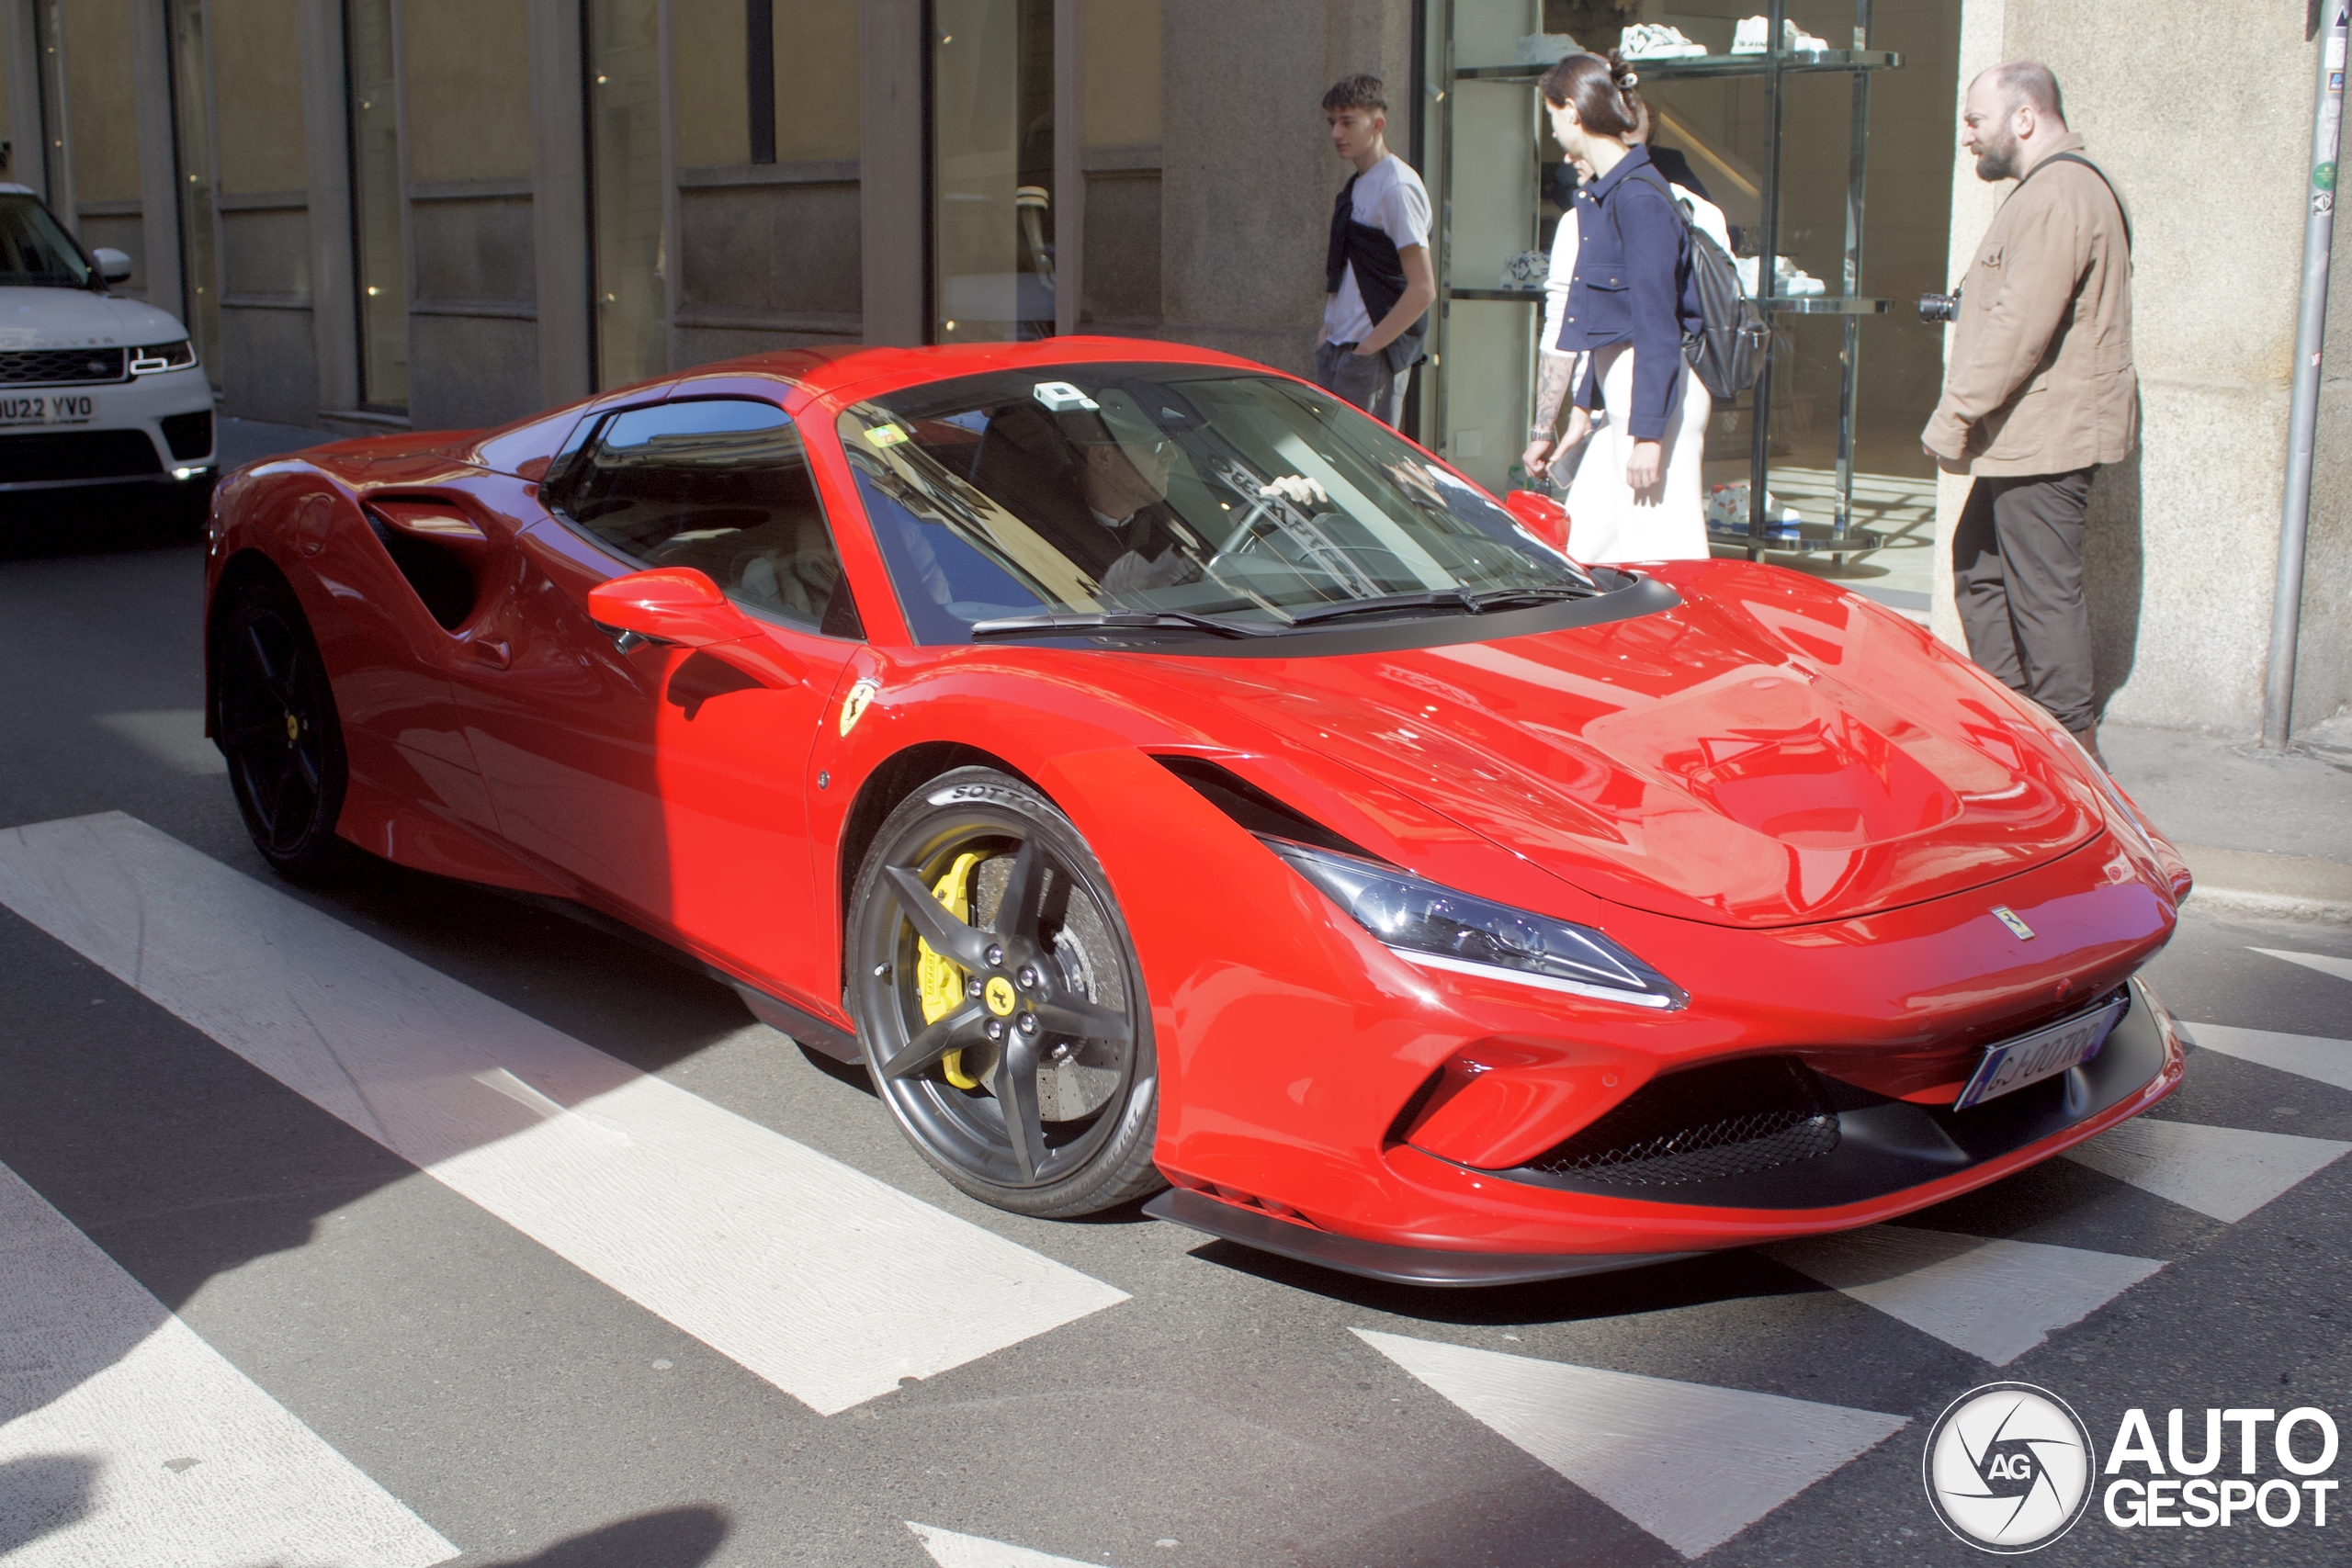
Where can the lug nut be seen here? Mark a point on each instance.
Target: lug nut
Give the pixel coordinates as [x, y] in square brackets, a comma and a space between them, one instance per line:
[1028, 1023]
[1028, 977]
[995, 957]
[995, 1028]
[972, 987]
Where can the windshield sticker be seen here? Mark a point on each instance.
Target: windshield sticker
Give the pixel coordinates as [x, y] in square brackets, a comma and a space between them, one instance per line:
[886, 435]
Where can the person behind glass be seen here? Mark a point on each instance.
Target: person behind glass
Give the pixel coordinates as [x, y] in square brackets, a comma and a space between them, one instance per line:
[1631, 301]
[1376, 271]
[1547, 457]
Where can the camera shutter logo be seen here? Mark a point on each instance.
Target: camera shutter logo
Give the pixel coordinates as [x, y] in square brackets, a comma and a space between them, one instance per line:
[2008, 1468]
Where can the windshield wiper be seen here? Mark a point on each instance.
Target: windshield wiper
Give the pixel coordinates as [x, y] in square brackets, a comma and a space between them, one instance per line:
[1444, 599]
[1112, 620]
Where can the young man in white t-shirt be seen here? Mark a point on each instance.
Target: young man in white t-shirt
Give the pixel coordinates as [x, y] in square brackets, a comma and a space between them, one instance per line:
[1377, 278]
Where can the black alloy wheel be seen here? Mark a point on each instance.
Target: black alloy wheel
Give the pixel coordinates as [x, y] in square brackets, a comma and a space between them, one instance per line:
[274, 719]
[1026, 1075]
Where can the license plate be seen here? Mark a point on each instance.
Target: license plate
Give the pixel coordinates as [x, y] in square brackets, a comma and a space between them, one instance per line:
[48, 408]
[2029, 1058]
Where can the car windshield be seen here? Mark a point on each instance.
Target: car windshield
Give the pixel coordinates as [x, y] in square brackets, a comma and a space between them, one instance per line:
[34, 252]
[1200, 499]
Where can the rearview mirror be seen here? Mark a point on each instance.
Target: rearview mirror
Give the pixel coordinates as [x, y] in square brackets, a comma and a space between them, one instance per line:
[113, 266]
[678, 605]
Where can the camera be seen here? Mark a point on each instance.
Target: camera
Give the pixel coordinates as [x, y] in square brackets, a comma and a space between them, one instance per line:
[1938, 310]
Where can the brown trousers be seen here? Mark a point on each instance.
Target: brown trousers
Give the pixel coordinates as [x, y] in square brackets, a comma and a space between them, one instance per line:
[2016, 567]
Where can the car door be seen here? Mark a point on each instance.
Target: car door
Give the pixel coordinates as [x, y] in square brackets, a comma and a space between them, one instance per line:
[665, 781]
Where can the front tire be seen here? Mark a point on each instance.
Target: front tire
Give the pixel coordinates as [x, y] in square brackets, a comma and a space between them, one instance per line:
[1021, 1065]
[274, 719]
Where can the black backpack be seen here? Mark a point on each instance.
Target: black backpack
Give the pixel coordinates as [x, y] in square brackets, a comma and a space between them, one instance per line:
[1728, 351]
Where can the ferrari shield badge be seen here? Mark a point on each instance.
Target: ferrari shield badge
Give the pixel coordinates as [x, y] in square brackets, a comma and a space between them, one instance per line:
[861, 697]
[2001, 912]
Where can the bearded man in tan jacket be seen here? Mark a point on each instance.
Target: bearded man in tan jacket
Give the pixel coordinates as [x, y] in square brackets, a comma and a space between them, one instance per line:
[2039, 391]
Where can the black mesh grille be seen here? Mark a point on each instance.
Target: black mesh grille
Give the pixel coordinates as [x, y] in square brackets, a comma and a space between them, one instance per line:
[1731, 1119]
[54, 366]
[77, 455]
[188, 435]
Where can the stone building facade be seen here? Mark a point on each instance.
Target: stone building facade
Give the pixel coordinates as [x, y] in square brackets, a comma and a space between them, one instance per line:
[379, 214]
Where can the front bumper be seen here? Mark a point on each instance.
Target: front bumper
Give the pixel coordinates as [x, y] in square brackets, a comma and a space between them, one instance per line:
[155, 429]
[1891, 1158]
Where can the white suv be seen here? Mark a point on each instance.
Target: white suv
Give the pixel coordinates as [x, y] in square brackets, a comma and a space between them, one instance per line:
[94, 388]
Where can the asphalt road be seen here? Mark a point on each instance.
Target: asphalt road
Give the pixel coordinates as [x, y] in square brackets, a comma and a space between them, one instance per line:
[384, 1347]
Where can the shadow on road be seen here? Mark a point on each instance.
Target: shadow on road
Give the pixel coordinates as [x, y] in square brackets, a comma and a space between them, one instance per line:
[672, 1538]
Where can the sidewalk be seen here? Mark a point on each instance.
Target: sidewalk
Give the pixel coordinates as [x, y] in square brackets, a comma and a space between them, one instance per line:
[2267, 834]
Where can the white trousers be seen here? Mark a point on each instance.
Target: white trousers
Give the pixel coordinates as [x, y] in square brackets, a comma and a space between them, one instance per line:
[1609, 521]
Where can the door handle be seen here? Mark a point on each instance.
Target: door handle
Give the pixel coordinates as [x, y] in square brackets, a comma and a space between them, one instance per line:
[494, 654]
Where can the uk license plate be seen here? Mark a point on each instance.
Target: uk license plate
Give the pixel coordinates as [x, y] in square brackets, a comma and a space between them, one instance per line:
[2029, 1058]
[48, 408]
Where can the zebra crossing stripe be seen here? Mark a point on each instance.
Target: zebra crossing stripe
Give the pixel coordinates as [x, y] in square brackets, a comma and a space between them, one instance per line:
[1995, 1300]
[825, 1283]
[2314, 1056]
[129, 1443]
[952, 1550]
[2325, 963]
[1693, 1464]
[2224, 1172]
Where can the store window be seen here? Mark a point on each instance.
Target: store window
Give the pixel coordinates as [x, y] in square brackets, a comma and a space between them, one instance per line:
[992, 170]
[102, 132]
[767, 82]
[1863, 194]
[191, 46]
[1119, 142]
[378, 209]
[626, 180]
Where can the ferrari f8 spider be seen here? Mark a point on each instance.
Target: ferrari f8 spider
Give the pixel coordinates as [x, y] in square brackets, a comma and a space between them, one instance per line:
[1168, 781]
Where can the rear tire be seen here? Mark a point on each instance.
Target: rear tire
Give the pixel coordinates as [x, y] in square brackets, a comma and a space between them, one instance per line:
[1030, 1080]
[274, 719]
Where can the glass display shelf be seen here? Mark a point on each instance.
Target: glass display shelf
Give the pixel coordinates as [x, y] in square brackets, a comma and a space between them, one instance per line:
[1685, 67]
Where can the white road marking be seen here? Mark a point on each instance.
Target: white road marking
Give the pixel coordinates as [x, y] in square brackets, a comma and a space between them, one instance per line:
[2226, 1172]
[1693, 1464]
[2327, 964]
[2312, 1055]
[829, 1285]
[131, 1443]
[1995, 1300]
[174, 737]
[952, 1550]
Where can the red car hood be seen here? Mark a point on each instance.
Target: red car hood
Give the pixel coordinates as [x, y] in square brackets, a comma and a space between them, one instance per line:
[1772, 753]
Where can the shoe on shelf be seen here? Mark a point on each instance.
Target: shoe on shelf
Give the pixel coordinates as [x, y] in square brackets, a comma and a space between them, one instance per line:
[1750, 35]
[1727, 514]
[1646, 41]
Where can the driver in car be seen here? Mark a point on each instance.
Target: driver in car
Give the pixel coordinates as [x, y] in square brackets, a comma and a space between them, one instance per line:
[1109, 514]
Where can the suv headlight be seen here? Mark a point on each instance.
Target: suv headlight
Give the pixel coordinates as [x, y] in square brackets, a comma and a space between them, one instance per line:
[162, 357]
[1436, 926]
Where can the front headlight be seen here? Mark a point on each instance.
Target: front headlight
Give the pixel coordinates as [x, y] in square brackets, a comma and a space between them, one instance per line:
[162, 357]
[1445, 929]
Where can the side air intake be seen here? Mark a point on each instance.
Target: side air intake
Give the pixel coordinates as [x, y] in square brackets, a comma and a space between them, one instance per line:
[1253, 809]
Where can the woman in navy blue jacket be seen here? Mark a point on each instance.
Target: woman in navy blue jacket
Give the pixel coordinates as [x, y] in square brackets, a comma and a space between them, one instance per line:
[1637, 495]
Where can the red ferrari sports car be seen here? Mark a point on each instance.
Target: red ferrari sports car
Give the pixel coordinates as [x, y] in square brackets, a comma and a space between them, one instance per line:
[1165, 779]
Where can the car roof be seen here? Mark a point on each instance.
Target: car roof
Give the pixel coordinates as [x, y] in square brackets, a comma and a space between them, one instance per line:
[867, 371]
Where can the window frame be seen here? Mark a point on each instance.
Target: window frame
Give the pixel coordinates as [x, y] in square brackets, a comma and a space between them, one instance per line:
[588, 431]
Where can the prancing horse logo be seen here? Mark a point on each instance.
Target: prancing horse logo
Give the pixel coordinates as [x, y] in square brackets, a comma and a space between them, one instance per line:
[2007, 916]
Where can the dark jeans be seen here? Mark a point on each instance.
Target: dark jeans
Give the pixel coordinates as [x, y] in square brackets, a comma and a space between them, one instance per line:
[2016, 567]
[1364, 379]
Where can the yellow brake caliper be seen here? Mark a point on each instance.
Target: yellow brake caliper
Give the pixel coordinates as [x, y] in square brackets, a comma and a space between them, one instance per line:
[940, 981]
